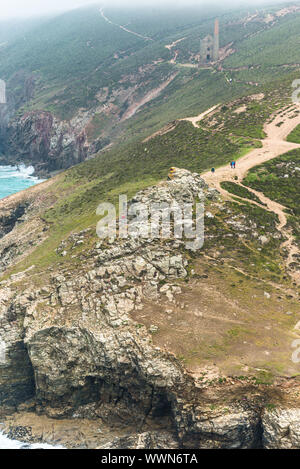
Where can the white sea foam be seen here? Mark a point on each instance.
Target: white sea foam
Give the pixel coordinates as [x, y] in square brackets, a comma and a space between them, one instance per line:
[6, 443]
[16, 178]
[20, 171]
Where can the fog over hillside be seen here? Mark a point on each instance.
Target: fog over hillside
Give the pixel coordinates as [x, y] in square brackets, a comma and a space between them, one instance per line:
[21, 8]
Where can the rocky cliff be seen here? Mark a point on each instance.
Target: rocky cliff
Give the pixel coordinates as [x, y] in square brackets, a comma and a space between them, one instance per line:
[34, 135]
[38, 139]
[71, 349]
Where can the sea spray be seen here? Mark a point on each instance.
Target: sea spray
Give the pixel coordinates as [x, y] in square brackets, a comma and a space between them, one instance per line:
[16, 178]
[7, 443]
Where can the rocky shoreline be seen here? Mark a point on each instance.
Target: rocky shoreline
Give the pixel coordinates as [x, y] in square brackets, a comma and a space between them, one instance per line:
[246, 425]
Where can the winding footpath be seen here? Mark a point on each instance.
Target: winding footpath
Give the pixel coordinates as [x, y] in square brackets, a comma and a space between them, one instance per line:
[274, 145]
[195, 120]
[146, 38]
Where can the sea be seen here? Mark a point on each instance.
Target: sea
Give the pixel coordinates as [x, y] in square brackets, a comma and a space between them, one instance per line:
[14, 179]
[6, 443]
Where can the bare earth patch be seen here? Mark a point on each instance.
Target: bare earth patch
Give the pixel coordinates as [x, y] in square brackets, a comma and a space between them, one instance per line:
[227, 321]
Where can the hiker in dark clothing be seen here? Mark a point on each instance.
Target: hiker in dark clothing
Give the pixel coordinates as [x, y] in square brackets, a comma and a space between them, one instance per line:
[212, 170]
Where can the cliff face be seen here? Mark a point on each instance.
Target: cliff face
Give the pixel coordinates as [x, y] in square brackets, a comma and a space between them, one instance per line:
[17, 380]
[52, 141]
[39, 139]
[36, 138]
[73, 348]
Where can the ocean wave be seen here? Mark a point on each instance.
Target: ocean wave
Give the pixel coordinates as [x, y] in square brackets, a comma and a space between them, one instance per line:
[6, 443]
[20, 171]
[16, 178]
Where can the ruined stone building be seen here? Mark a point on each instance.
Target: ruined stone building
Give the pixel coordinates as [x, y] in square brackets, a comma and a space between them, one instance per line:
[209, 47]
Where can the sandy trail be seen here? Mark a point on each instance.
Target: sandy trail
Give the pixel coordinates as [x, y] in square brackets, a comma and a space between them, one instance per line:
[274, 145]
[123, 27]
[196, 119]
[170, 46]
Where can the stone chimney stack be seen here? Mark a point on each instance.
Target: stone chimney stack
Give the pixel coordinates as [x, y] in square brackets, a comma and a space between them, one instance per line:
[216, 42]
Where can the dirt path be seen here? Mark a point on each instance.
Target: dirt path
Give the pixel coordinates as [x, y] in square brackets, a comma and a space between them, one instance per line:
[196, 119]
[274, 145]
[123, 27]
[170, 47]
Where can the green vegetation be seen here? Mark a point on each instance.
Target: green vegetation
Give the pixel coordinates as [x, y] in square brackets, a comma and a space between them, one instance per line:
[277, 45]
[279, 179]
[240, 240]
[73, 56]
[294, 136]
[239, 190]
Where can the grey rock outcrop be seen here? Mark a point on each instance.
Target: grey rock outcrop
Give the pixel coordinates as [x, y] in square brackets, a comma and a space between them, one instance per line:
[281, 428]
[39, 139]
[145, 440]
[89, 357]
[16, 372]
[236, 428]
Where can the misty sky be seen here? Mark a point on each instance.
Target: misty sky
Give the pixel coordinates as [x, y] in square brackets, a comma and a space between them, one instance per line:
[17, 8]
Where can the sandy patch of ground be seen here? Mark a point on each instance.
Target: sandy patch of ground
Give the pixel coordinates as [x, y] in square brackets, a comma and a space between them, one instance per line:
[241, 109]
[223, 319]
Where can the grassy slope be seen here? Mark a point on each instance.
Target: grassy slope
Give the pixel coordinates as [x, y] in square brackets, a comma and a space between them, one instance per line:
[279, 179]
[273, 46]
[294, 136]
[240, 191]
[71, 55]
